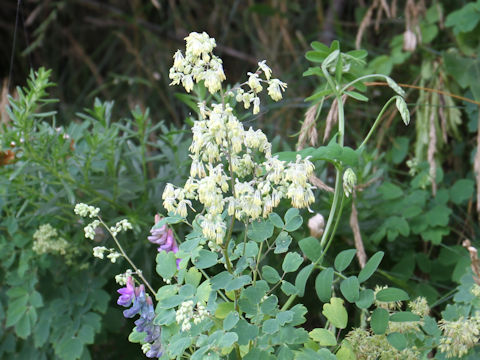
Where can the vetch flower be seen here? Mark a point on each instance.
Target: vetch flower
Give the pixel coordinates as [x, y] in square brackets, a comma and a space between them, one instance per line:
[163, 236]
[127, 293]
[143, 306]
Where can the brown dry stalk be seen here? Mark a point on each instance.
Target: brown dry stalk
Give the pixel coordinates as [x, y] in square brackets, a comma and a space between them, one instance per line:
[4, 102]
[332, 117]
[380, 83]
[357, 236]
[364, 24]
[308, 130]
[320, 184]
[432, 148]
[476, 166]
[475, 264]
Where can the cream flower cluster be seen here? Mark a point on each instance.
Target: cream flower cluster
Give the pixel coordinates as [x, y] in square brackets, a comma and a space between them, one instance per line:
[225, 173]
[459, 336]
[85, 210]
[186, 314]
[199, 63]
[113, 255]
[46, 240]
[275, 87]
[221, 150]
[121, 225]
[121, 279]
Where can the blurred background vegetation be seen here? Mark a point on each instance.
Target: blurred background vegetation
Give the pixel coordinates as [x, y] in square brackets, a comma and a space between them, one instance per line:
[122, 51]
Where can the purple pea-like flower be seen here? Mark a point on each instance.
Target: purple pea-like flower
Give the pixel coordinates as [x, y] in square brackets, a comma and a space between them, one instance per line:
[164, 237]
[142, 305]
[127, 294]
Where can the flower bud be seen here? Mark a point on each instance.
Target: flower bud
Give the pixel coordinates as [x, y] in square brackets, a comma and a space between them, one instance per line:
[349, 181]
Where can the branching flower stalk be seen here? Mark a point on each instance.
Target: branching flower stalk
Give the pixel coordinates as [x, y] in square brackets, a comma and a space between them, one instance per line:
[92, 212]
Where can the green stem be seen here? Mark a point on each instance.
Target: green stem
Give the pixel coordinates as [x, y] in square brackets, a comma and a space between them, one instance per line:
[336, 196]
[257, 262]
[377, 121]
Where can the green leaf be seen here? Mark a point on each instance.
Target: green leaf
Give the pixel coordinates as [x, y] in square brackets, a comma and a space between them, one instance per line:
[282, 242]
[302, 277]
[392, 294]
[350, 289]
[23, 327]
[404, 316]
[16, 309]
[227, 340]
[220, 280]
[245, 332]
[356, 95]
[319, 94]
[291, 262]
[399, 149]
[365, 299]
[370, 267]
[464, 19]
[288, 288]
[69, 349]
[311, 248]
[333, 153]
[323, 284]
[135, 336]
[270, 326]
[294, 223]
[205, 259]
[315, 56]
[403, 109]
[223, 309]
[238, 283]
[290, 214]
[323, 337]
[284, 317]
[270, 274]
[231, 320]
[379, 321]
[397, 340]
[276, 220]
[343, 259]
[439, 215]
[193, 277]
[260, 230]
[346, 352]
[390, 191]
[166, 264]
[86, 334]
[461, 191]
[178, 346]
[36, 299]
[336, 313]
[395, 87]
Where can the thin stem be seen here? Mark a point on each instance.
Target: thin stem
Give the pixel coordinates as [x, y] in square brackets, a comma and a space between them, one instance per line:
[377, 121]
[362, 78]
[337, 194]
[257, 262]
[336, 197]
[139, 272]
